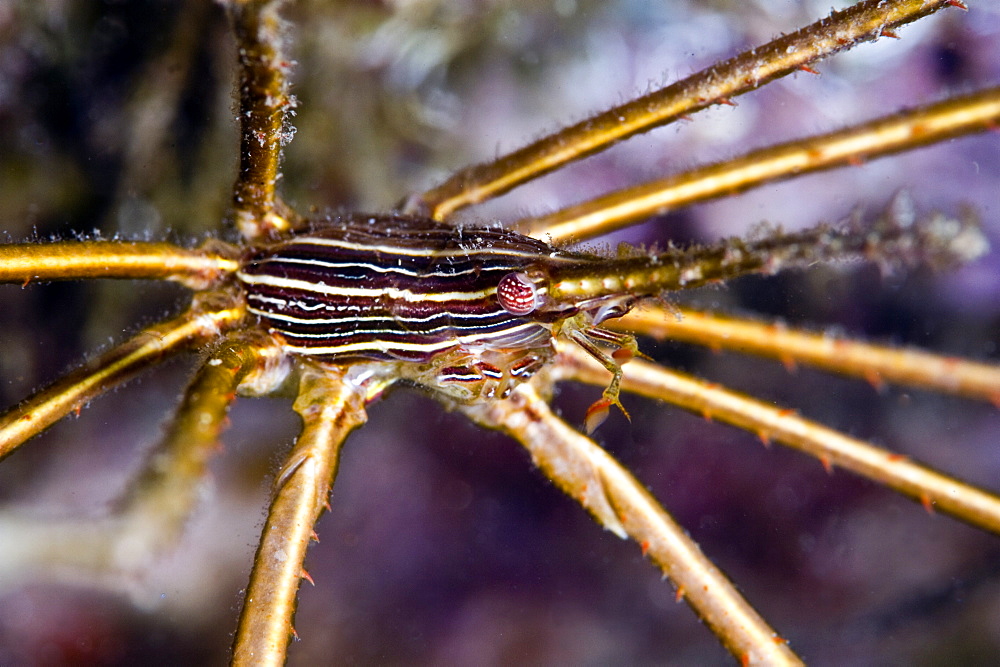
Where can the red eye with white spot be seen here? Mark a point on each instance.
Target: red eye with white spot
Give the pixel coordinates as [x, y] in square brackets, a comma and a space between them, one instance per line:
[517, 294]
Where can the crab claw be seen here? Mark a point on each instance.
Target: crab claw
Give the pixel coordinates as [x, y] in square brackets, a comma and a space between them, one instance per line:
[596, 414]
[599, 411]
[623, 355]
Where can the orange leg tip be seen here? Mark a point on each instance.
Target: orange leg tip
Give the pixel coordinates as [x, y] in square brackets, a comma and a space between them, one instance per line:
[728, 102]
[308, 577]
[745, 659]
[622, 517]
[779, 640]
[959, 4]
[885, 32]
[790, 364]
[896, 458]
[679, 594]
[314, 537]
[765, 438]
[644, 546]
[295, 635]
[875, 380]
[928, 504]
[807, 68]
[827, 464]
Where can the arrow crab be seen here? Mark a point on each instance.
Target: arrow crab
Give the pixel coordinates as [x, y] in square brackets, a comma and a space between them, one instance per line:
[406, 585]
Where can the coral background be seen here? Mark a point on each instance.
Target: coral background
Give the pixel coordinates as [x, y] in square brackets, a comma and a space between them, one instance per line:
[444, 545]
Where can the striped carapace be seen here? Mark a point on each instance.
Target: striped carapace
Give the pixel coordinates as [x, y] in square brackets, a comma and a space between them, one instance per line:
[408, 289]
[396, 288]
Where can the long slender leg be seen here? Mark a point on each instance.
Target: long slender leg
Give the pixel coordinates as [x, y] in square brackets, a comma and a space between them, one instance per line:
[150, 346]
[152, 514]
[743, 73]
[895, 238]
[198, 269]
[884, 136]
[618, 501]
[946, 494]
[330, 408]
[264, 109]
[876, 363]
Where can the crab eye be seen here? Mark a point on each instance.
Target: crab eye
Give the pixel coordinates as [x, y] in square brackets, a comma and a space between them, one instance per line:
[517, 294]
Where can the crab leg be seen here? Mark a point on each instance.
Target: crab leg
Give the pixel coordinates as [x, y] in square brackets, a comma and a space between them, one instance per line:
[331, 408]
[149, 347]
[884, 136]
[943, 493]
[152, 515]
[875, 363]
[895, 238]
[72, 260]
[264, 109]
[862, 22]
[619, 502]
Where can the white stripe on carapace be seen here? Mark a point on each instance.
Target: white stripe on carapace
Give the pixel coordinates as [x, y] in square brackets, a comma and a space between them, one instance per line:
[281, 303]
[424, 252]
[387, 347]
[390, 292]
[383, 269]
[294, 303]
[381, 331]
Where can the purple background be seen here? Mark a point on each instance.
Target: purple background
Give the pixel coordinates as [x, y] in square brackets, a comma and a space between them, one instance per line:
[444, 545]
